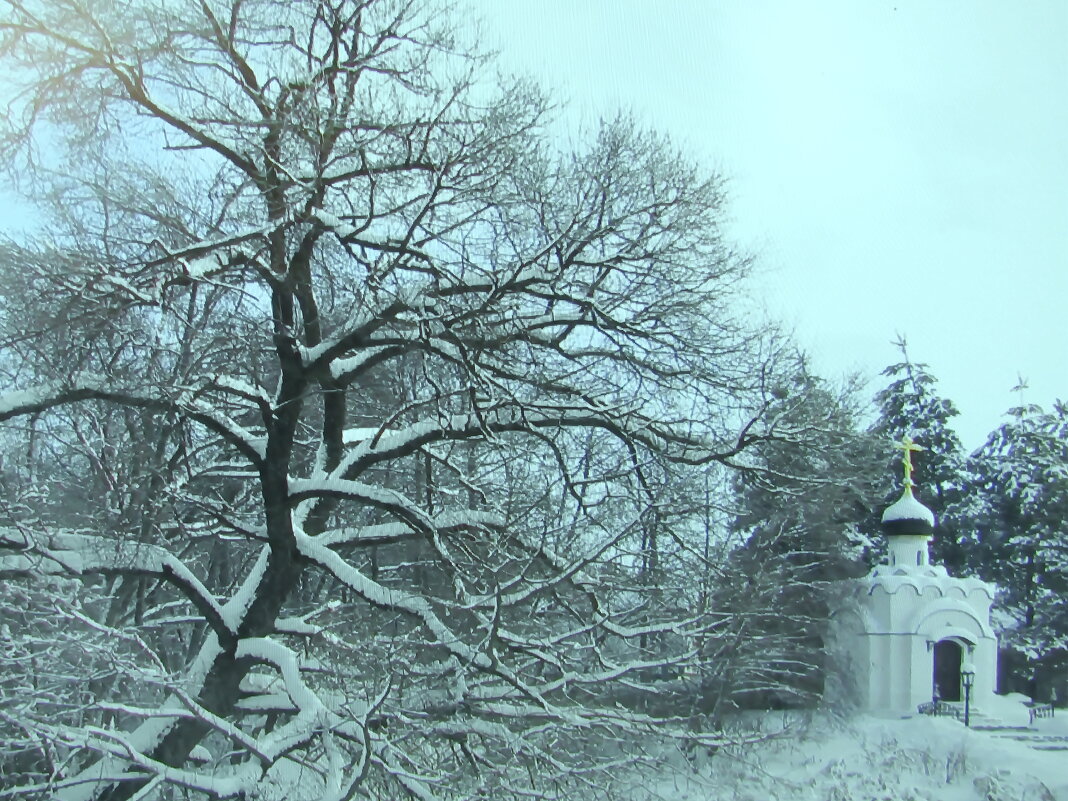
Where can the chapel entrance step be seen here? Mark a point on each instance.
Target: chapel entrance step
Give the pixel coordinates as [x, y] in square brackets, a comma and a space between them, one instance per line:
[1026, 735]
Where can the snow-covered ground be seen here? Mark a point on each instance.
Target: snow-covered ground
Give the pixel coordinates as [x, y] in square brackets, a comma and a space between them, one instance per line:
[873, 759]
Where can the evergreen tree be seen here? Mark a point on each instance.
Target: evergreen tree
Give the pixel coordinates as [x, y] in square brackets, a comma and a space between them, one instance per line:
[1021, 524]
[911, 405]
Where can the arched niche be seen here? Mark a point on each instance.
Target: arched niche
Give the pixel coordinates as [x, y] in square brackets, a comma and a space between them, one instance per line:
[931, 619]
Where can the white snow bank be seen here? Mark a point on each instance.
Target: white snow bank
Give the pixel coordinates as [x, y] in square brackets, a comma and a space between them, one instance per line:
[869, 759]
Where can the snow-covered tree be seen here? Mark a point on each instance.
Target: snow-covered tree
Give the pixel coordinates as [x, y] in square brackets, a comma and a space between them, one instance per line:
[798, 509]
[356, 404]
[1019, 511]
[910, 405]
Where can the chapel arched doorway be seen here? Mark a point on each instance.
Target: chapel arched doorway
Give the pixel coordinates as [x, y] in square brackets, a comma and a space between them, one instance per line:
[948, 656]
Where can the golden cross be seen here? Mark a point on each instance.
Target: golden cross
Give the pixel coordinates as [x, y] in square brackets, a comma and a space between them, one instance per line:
[907, 447]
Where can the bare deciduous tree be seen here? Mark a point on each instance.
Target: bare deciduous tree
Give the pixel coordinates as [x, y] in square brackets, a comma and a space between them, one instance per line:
[354, 401]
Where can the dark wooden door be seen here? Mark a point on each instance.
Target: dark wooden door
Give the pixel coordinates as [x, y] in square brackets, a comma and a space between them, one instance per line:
[947, 659]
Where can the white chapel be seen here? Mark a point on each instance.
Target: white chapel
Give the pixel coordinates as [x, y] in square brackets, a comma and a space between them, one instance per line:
[913, 632]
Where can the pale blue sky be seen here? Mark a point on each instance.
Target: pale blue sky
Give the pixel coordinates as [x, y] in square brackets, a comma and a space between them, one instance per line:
[898, 166]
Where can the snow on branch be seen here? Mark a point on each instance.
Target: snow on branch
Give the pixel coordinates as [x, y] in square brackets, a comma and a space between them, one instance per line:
[625, 424]
[387, 598]
[383, 533]
[313, 719]
[411, 513]
[233, 613]
[122, 748]
[242, 389]
[84, 784]
[69, 553]
[182, 400]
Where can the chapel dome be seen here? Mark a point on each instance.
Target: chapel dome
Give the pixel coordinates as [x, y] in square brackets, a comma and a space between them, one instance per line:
[908, 517]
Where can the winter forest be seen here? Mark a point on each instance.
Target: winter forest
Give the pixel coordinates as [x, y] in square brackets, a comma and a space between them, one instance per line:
[362, 436]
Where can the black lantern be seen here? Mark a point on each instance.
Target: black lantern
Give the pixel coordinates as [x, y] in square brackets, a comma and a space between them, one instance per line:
[967, 677]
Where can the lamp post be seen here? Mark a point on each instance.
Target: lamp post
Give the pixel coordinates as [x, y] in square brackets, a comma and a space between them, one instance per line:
[967, 677]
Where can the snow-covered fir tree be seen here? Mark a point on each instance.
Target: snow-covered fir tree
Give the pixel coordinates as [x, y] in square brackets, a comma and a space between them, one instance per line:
[1019, 508]
[911, 405]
